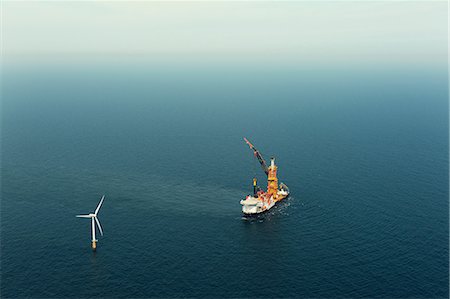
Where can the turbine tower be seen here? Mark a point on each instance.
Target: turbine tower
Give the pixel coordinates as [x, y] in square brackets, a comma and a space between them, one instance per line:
[94, 220]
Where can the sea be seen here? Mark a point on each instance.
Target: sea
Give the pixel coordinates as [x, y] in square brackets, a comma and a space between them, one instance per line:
[363, 150]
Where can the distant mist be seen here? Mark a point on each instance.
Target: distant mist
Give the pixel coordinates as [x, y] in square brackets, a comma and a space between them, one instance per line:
[284, 34]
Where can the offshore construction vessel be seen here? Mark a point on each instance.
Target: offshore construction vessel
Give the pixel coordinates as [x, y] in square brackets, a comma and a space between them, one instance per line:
[261, 201]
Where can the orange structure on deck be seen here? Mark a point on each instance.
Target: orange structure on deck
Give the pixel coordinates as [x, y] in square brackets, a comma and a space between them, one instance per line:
[272, 180]
[262, 201]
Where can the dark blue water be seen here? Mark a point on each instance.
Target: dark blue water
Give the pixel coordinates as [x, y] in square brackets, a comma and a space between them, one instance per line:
[364, 152]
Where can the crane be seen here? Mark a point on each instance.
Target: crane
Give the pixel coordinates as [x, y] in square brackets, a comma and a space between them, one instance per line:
[258, 156]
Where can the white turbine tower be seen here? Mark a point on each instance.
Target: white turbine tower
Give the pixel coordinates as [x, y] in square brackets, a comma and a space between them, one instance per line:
[94, 220]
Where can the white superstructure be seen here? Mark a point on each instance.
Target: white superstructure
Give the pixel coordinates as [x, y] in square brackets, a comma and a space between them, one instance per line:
[255, 205]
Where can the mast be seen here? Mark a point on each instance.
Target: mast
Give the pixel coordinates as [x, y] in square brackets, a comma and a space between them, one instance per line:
[272, 180]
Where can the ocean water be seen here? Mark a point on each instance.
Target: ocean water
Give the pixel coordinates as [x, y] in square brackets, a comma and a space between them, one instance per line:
[364, 152]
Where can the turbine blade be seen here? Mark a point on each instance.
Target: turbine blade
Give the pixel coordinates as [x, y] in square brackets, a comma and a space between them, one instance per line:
[99, 205]
[99, 226]
[83, 216]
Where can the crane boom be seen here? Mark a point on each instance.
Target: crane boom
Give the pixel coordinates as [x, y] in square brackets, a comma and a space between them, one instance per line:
[258, 156]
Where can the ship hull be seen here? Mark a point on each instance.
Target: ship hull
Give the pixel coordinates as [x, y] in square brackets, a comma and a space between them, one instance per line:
[255, 215]
[254, 210]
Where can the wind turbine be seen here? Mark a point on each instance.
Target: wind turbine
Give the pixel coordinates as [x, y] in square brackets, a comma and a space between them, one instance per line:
[94, 220]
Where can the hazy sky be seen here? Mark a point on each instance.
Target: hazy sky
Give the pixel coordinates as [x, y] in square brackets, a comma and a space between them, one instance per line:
[271, 31]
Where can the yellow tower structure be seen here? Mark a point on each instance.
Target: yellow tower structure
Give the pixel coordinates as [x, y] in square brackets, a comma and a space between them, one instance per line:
[272, 180]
